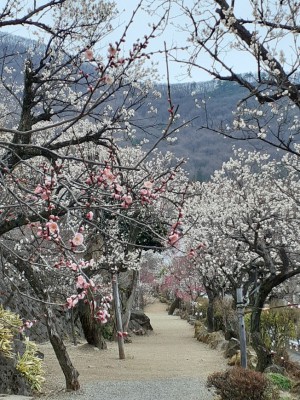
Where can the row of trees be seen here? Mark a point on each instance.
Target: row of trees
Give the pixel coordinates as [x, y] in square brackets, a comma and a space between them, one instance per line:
[248, 219]
[247, 216]
[78, 205]
[76, 201]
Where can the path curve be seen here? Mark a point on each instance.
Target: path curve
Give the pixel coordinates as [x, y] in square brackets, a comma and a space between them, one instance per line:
[167, 364]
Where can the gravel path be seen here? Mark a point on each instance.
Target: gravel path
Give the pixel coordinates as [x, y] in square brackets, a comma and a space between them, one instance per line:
[158, 389]
[169, 364]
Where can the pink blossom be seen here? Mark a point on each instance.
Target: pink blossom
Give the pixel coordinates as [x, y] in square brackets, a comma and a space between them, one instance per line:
[148, 184]
[108, 79]
[28, 324]
[38, 189]
[144, 192]
[40, 232]
[112, 51]
[109, 176]
[82, 283]
[72, 301]
[73, 267]
[118, 188]
[77, 239]
[45, 194]
[82, 295]
[52, 226]
[102, 315]
[192, 253]
[127, 199]
[90, 215]
[89, 55]
[173, 238]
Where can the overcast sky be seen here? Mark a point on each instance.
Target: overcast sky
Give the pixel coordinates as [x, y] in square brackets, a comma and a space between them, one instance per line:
[171, 35]
[174, 37]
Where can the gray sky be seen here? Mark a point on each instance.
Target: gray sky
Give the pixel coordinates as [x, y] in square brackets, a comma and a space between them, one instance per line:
[174, 37]
[171, 35]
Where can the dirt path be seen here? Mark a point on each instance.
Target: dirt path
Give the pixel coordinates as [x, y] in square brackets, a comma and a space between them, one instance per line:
[169, 352]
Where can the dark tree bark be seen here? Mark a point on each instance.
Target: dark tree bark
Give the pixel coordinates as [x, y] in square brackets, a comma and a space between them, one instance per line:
[92, 328]
[264, 358]
[176, 304]
[210, 319]
[127, 308]
[71, 373]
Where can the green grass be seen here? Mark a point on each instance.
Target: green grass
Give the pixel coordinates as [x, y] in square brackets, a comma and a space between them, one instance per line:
[280, 381]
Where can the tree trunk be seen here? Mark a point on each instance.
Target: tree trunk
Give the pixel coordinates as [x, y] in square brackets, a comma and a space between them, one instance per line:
[210, 319]
[176, 304]
[92, 328]
[73, 327]
[129, 301]
[71, 373]
[264, 358]
[118, 316]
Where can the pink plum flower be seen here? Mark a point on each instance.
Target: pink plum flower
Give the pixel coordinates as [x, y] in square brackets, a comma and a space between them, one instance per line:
[81, 283]
[118, 188]
[38, 189]
[112, 51]
[144, 192]
[77, 239]
[108, 79]
[89, 55]
[109, 176]
[148, 184]
[90, 215]
[191, 253]
[127, 199]
[52, 226]
[72, 301]
[173, 238]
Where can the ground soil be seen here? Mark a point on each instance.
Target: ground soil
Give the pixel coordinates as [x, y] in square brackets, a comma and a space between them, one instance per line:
[170, 351]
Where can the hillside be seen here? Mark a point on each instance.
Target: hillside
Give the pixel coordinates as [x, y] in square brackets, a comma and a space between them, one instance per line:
[204, 150]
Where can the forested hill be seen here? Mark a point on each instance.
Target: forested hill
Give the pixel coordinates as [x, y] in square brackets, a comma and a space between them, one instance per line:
[205, 150]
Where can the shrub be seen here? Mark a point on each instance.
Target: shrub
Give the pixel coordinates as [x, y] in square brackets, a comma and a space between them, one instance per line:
[30, 366]
[108, 331]
[281, 381]
[292, 368]
[10, 325]
[242, 384]
[277, 326]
